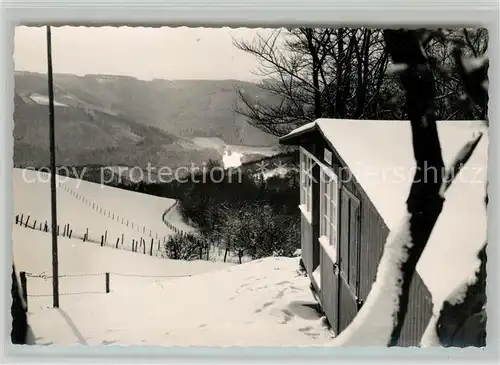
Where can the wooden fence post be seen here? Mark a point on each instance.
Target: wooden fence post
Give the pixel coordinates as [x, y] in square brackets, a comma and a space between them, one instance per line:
[64, 231]
[151, 249]
[34, 224]
[102, 240]
[106, 236]
[107, 282]
[122, 239]
[17, 219]
[21, 220]
[70, 233]
[27, 220]
[57, 230]
[133, 242]
[159, 245]
[144, 247]
[46, 228]
[117, 242]
[24, 287]
[40, 226]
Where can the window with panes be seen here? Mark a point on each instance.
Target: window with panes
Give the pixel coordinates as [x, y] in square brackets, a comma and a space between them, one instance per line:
[329, 207]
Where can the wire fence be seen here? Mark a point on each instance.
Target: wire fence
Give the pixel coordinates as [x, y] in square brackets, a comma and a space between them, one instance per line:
[123, 241]
[107, 282]
[47, 277]
[147, 242]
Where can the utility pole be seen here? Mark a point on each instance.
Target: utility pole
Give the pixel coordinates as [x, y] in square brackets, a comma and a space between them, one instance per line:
[53, 198]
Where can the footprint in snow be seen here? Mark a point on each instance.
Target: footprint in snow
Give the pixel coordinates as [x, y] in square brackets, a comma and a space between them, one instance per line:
[280, 294]
[288, 316]
[264, 306]
[307, 331]
[105, 342]
[283, 282]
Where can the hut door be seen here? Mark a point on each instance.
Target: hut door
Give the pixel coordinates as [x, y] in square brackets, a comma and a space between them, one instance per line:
[350, 216]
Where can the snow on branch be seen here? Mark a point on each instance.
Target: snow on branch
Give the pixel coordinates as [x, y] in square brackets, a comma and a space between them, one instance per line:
[381, 318]
[461, 319]
[459, 162]
[474, 75]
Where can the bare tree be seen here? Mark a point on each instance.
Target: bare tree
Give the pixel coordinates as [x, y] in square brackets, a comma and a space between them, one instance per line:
[342, 73]
[451, 101]
[314, 73]
[380, 320]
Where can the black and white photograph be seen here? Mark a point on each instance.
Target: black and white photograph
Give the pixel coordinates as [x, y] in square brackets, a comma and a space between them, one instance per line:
[255, 187]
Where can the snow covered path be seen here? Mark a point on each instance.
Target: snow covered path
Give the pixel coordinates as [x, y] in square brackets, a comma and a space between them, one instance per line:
[172, 216]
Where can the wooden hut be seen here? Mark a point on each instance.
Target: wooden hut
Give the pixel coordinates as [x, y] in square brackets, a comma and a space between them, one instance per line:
[355, 176]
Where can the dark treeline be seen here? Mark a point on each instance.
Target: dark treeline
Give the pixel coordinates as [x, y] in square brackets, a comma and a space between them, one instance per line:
[244, 212]
[236, 209]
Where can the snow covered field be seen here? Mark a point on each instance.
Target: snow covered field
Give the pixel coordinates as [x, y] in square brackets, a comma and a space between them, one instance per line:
[44, 100]
[262, 303]
[93, 207]
[152, 300]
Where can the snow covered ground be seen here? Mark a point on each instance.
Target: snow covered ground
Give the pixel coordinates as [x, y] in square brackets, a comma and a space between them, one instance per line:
[100, 209]
[152, 300]
[231, 159]
[280, 171]
[262, 303]
[174, 216]
[44, 100]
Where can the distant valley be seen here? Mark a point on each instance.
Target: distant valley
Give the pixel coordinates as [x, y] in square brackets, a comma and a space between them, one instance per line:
[118, 120]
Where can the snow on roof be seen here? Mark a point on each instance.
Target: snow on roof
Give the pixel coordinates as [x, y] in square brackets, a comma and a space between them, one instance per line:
[379, 154]
[300, 130]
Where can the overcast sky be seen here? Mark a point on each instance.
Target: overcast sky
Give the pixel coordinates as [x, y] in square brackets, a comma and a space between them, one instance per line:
[145, 53]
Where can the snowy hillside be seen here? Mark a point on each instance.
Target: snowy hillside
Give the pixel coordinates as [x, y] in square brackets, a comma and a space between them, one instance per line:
[152, 300]
[93, 208]
[262, 303]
